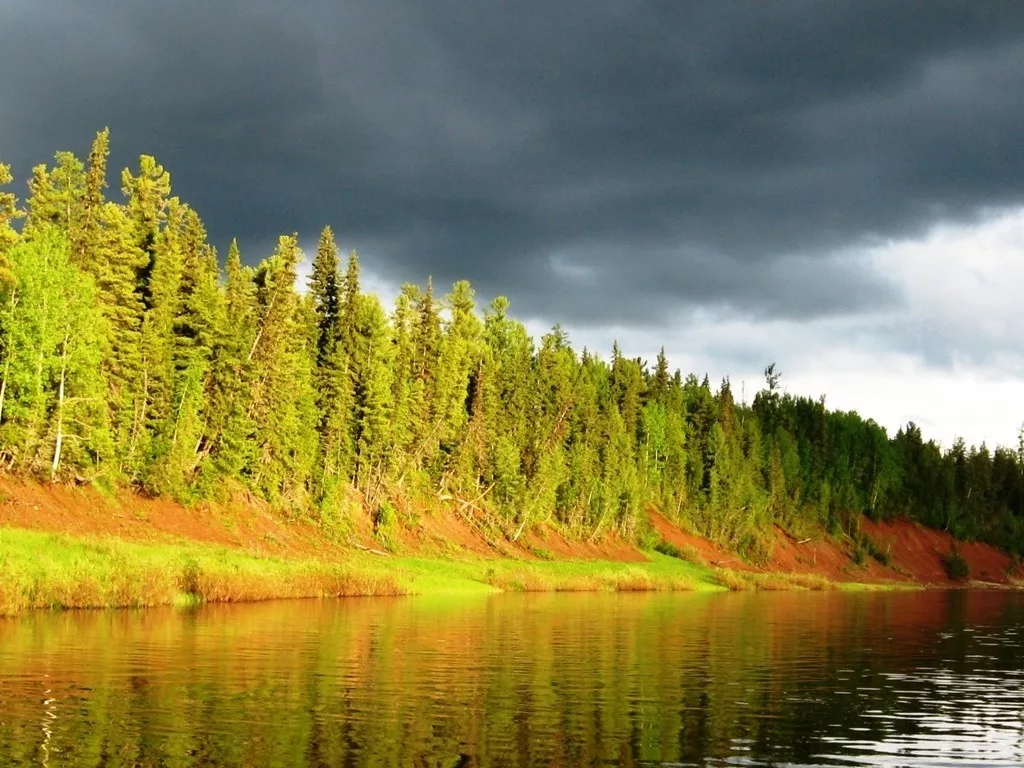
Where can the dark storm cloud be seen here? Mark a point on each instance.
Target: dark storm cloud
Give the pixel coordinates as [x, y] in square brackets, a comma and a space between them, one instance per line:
[599, 160]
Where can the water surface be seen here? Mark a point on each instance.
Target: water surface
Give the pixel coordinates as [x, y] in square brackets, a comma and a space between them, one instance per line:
[923, 678]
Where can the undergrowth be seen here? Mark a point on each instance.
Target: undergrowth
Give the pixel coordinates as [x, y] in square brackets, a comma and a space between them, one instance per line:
[687, 552]
[865, 547]
[956, 565]
[742, 581]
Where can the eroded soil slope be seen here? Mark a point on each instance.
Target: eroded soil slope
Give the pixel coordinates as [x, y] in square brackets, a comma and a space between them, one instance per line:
[914, 553]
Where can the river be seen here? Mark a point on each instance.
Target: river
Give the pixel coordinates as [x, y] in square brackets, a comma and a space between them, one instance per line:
[897, 679]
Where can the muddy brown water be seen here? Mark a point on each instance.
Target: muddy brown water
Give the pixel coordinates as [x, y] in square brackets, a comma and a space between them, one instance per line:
[893, 679]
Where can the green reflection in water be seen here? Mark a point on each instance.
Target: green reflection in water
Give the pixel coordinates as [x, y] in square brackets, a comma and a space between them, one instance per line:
[544, 679]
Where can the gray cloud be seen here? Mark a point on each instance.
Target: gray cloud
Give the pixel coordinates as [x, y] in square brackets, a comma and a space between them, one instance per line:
[599, 162]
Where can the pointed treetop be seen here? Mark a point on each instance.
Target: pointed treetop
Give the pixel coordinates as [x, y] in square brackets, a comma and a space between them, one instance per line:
[234, 261]
[323, 279]
[96, 176]
[500, 305]
[8, 212]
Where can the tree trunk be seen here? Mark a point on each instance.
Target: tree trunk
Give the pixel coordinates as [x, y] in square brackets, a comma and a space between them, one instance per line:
[3, 387]
[7, 362]
[59, 442]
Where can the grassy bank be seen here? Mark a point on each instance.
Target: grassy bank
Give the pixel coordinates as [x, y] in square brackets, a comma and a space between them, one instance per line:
[42, 570]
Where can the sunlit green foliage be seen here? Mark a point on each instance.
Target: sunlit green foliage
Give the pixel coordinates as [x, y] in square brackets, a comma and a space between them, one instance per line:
[128, 356]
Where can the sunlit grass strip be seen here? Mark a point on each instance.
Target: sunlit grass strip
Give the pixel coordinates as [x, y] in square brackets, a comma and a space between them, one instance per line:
[741, 581]
[633, 579]
[40, 570]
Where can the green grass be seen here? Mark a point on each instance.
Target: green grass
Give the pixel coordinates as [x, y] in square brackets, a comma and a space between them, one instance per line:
[855, 586]
[40, 570]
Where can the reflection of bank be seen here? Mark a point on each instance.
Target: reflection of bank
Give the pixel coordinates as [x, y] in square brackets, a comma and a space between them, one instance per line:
[550, 679]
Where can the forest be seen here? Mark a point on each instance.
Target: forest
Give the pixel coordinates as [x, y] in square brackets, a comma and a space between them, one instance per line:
[132, 355]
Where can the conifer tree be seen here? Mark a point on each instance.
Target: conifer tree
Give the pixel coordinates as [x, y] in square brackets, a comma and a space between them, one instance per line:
[228, 446]
[348, 305]
[179, 335]
[424, 423]
[404, 389]
[458, 357]
[55, 196]
[509, 381]
[9, 211]
[123, 355]
[89, 235]
[324, 290]
[334, 382]
[283, 408]
[372, 354]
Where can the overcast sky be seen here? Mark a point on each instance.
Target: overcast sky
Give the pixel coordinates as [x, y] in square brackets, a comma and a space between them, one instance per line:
[834, 186]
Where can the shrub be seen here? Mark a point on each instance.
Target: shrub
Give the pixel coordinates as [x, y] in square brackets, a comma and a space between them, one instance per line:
[688, 553]
[956, 565]
[541, 554]
[879, 554]
[668, 548]
[384, 523]
[865, 547]
[859, 554]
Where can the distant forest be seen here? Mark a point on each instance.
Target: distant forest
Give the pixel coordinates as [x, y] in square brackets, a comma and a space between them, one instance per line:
[130, 357]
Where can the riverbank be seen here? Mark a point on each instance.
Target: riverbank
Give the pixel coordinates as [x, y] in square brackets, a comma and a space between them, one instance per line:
[49, 570]
[67, 547]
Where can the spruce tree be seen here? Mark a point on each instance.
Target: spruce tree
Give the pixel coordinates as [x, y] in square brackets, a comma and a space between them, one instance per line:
[334, 380]
[89, 235]
[424, 422]
[228, 446]
[324, 290]
[372, 354]
[458, 358]
[282, 408]
[404, 390]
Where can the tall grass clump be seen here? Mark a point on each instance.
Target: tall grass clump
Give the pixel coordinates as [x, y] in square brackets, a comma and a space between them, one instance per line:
[41, 571]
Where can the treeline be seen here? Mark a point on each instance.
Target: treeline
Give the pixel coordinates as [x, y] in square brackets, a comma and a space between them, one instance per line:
[129, 356]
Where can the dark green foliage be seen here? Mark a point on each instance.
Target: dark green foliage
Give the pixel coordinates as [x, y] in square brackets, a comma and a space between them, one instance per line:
[182, 381]
[880, 555]
[670, 549]
[956, 565]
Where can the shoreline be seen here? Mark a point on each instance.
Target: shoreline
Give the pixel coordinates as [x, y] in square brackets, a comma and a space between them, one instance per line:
[47, 571]
[75, 547]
